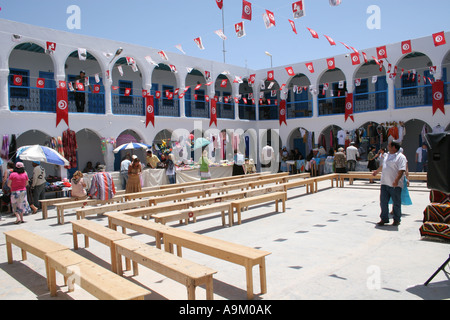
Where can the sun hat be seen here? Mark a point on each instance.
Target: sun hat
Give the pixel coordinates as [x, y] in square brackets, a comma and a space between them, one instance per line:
[19, 165]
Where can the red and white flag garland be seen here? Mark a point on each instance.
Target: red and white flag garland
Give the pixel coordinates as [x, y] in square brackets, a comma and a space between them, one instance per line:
[298, 9]
[246, 10]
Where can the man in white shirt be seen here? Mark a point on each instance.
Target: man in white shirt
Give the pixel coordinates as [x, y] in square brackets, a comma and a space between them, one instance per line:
[352, 155]
[38, 183]
[392, 170]
[422, 158]
[124, 170]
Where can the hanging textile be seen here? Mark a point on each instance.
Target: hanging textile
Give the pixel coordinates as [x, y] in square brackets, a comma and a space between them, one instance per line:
[5, 147]
[69, 141]
[12, 148]
[247, 147]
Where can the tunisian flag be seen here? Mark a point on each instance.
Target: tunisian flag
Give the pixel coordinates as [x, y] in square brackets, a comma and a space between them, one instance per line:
[438, 96]
[282, 112]
[62, 106]
[349, 107]
[246, 10]
[213, 112]
[149, 110]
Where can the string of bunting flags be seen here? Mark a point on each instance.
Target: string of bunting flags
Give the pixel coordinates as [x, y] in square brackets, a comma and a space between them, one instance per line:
[298, 11]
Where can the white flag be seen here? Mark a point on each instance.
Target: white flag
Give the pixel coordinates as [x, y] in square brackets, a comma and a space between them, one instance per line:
[221, 34]
[178, 46]
[150, 60]
[82, 54]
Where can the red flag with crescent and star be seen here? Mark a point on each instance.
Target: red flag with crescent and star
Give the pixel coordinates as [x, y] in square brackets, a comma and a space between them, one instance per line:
[438, 96]
[62, 105]
[149, 110]
[213, 112]
[282, 112]
[349, 107]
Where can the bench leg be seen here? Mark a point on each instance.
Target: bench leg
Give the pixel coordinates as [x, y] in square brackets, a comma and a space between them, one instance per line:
[190, 290]
[24, 254]
[249, 277]
[262, 275]
[238, 211]
[223, 218]
[113, 257]
[52, 281]
[75, 239]
[44, 211]
[9, 252]
[209, 288]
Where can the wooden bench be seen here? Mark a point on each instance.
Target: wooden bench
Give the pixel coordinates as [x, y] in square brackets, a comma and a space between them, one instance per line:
[61, 207]
[331, 177]
[32, 243]
[45, 203]
[193, 213]
[100, 233]
[146, 212]
[82, 213]
[181, 270]
[351, 176]
[98, 281]
[178, 197]
[146, 227]
[228, 251]
[260, 183]
[246, 202]
[308, 183]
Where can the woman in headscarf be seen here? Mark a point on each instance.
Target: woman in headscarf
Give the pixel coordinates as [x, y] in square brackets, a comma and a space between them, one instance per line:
[17, 182]
[78, 186]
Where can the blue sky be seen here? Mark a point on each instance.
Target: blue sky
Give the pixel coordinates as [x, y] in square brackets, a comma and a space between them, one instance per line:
[163, 24]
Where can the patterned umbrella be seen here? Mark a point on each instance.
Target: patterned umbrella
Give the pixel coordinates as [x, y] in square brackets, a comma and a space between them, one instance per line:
[42, 154]
[200, 143]
[130, 146]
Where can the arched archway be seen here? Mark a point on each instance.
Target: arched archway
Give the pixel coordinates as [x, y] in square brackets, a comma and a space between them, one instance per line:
[415, 136]
[127, 87]
[370, 88]
[413, 87]
[164, 82]
[32, 137]
[299, 99]
[91, 89]
[195, 99]
[89, 148]
[331, 92]
[28, 65]
[269, 98]
[247, 109]
[224, 95]
[128, 136]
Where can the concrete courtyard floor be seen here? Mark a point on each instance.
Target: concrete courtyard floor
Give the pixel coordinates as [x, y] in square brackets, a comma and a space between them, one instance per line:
[326, 246]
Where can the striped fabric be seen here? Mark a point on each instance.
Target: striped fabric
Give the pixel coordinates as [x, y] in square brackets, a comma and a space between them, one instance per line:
[436, 221]
[439, 197]
[102, 186]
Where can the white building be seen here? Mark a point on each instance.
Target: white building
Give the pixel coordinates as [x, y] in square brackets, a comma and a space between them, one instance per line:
[111, 116]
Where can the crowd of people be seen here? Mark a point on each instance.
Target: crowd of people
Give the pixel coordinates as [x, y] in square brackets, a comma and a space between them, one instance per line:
[24, 193]
[342, 160]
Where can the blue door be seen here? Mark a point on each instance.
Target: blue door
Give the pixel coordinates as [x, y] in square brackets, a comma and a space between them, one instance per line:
[96, 100]
[381, 95]
[47, 95]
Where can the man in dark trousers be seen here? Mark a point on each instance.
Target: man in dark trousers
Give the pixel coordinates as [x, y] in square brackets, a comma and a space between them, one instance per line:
[392, 170]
